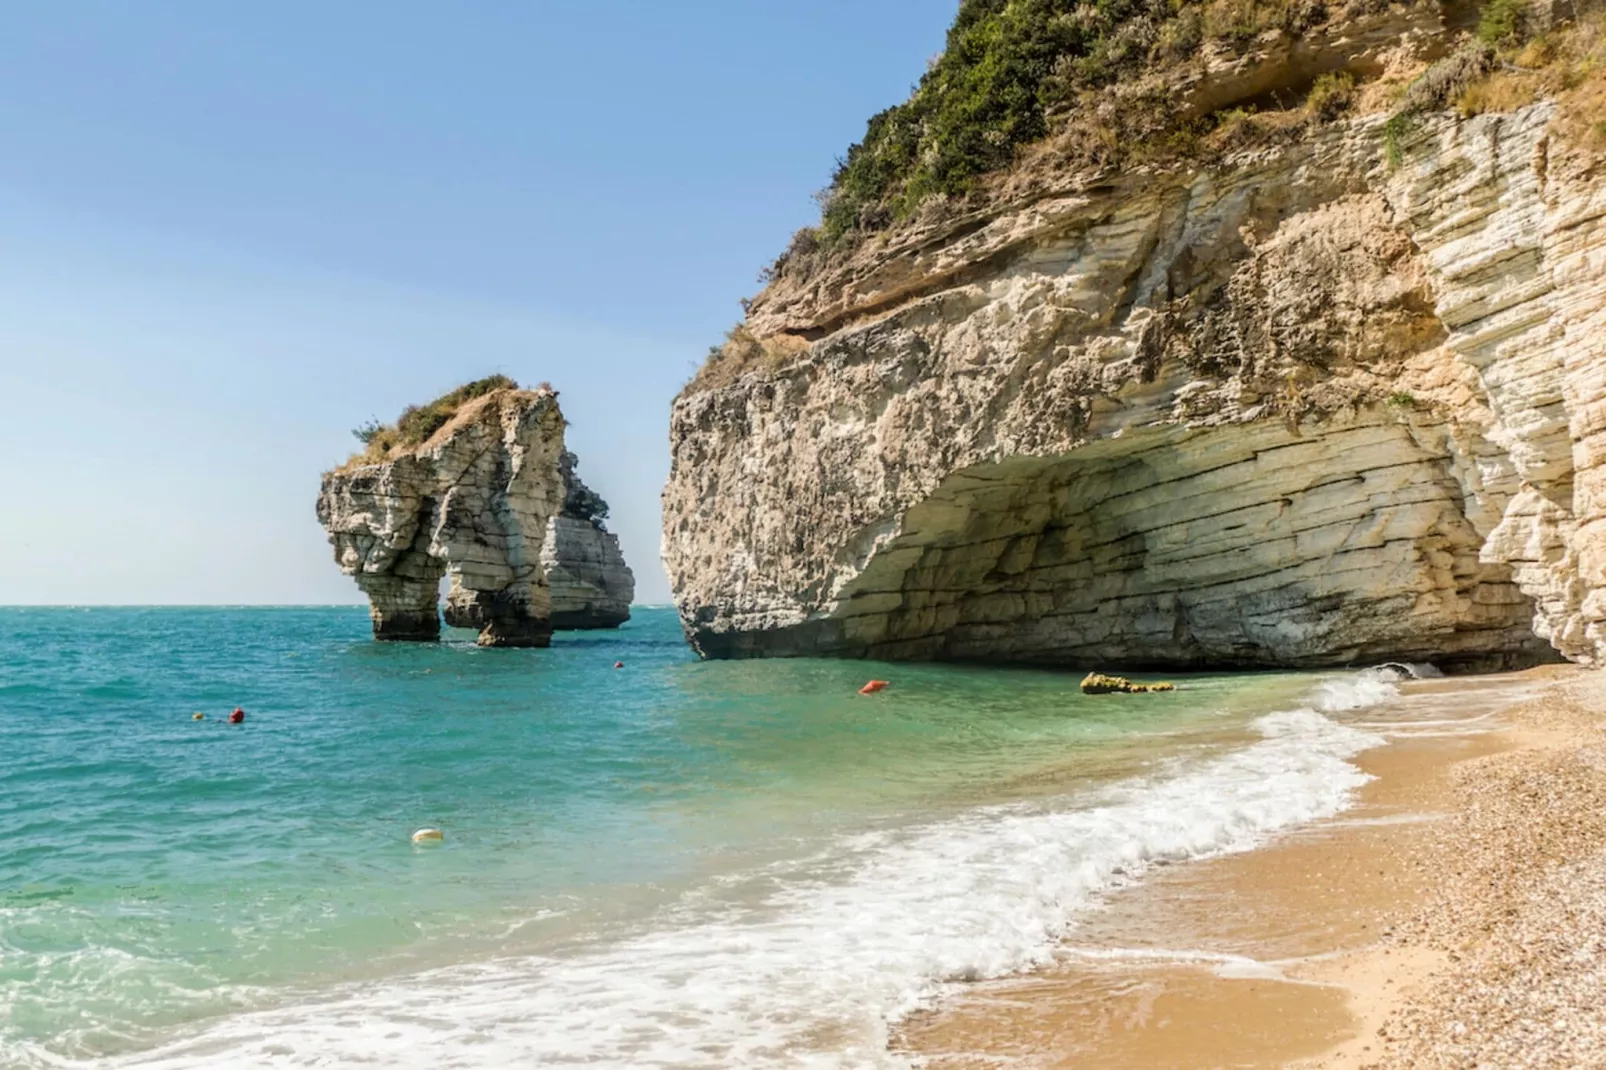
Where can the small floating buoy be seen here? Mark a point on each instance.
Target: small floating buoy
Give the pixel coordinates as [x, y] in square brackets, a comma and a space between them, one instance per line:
[198, 717]
[618, 664]
[428, 836]
[237, 717]
[872, 687]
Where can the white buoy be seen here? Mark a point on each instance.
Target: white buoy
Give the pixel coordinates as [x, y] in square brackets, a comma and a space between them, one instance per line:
[428, 836]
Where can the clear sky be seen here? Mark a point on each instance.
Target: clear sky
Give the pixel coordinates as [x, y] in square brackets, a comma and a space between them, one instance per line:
[229, 233]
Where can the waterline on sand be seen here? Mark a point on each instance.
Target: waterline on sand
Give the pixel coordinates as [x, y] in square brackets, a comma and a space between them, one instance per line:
[813, 963]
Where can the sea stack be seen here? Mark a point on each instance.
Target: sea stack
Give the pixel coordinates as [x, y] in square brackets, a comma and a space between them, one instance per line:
[591, 585]
[473, 486]
[1318, 387]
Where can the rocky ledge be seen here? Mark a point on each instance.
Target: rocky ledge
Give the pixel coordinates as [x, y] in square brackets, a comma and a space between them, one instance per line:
[1320, 403]
[490, 500]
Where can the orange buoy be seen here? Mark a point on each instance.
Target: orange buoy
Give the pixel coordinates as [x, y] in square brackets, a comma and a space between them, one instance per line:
[872, 687]
[237, 717]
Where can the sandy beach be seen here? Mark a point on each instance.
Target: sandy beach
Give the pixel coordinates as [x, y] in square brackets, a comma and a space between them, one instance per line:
[1455, 917]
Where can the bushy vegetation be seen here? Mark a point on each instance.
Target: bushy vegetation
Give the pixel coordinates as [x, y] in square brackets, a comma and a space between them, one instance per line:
[1027, 91]
[1331, 95]
[1504, 22]
[1512, 60]
[579, 500]
[1017, 72]
[1009, 68]
[418, 422]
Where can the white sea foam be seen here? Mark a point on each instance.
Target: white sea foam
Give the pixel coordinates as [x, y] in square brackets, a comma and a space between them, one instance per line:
[813, 972]
[1358, 690]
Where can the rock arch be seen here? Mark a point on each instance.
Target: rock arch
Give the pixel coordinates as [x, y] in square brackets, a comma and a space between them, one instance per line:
[473, 502]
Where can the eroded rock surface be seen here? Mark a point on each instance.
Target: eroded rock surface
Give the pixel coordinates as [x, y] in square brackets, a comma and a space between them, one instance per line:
[1096, 683]
[591, 586]
[473, 503]
[1303, 408]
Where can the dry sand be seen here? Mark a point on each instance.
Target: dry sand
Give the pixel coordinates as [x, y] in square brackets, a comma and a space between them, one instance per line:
[1456, 917]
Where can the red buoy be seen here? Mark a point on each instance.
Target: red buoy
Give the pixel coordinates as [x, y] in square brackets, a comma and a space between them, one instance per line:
[872, 687]
[237, 717]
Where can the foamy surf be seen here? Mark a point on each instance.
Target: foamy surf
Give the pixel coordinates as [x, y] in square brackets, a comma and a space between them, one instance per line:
[811, 965]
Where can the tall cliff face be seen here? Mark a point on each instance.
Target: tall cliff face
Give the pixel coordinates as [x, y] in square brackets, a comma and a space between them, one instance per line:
[1299, 408]
[473, 502]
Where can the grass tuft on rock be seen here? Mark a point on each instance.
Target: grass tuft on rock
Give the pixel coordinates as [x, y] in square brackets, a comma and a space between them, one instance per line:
[418, 422]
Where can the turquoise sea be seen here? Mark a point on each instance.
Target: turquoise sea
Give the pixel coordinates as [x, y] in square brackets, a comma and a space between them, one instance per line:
[675, 863]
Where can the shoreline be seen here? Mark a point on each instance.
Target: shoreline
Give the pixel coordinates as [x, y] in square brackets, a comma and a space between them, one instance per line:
[1442, 920]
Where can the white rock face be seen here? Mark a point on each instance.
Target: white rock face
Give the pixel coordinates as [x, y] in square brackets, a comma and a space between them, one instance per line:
[474, 503]
[1302, 409]
[590, 584]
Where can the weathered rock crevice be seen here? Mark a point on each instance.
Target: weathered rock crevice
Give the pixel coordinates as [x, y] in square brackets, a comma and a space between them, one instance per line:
[1300, 409]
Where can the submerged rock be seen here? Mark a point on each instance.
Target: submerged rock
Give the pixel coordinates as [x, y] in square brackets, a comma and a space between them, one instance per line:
[481, 500]
[1095, 683]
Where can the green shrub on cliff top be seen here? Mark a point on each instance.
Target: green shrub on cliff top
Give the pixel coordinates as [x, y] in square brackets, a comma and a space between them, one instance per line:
[418, 422]
[1014, 72]
[980, 99]
[1007, 62]
[1009, 66]
[1504, 22]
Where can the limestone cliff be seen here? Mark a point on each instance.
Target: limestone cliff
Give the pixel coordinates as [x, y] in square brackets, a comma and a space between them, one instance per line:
[591, 586]
[473, 501]
[1302, 405]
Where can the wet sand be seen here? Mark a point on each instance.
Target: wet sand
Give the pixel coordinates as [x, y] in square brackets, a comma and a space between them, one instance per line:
[1390, 936]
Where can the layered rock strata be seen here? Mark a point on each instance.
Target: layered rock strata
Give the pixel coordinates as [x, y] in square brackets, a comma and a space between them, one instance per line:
[472, 503]
[1302, 408]
[590, 584]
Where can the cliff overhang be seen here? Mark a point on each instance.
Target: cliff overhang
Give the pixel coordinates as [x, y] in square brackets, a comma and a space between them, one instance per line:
[1307, 406]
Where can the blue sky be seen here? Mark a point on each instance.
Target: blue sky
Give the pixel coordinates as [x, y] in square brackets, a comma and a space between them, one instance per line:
[229, 233]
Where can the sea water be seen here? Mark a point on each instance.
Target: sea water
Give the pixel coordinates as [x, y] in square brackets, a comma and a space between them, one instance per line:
[672, 863]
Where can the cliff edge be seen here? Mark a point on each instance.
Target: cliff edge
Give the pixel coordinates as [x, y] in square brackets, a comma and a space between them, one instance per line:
[1328, 390]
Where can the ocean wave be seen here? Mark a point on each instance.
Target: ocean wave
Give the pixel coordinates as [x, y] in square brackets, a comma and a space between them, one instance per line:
[1356, 691]
[815, 970]
[38, 974]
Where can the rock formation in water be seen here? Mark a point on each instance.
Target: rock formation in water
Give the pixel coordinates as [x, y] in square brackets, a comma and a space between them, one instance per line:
[482, 499]
[1096, 683]
[1334, 398]
[591, 585]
